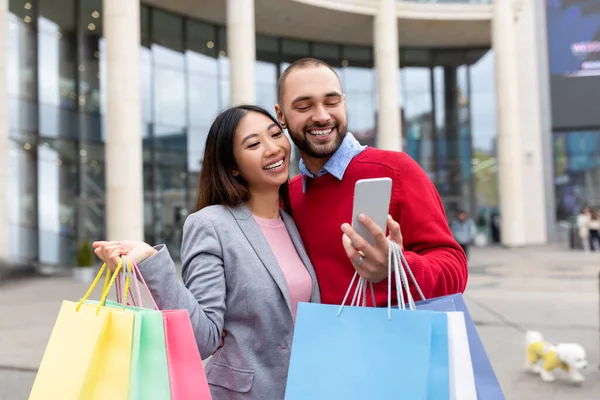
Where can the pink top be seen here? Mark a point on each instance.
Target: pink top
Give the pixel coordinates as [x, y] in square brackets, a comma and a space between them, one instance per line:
[298, 279]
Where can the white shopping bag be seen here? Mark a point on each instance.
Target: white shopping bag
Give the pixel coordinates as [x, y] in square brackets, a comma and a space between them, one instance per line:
[462, 379]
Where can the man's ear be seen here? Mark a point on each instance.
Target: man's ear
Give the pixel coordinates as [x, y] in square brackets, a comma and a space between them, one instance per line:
[280, 116]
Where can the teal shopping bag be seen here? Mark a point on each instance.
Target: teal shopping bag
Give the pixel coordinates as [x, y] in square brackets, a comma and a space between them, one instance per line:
[363, 354]
[149, 369]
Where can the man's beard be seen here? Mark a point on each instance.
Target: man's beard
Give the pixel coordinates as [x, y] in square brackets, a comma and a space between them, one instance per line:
[302, 141]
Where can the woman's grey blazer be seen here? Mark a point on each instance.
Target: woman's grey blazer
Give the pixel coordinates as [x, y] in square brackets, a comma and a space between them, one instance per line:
[233, 282]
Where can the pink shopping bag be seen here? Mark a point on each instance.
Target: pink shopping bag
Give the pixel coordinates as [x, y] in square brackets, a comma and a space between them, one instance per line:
[186, 372]
[187, 378]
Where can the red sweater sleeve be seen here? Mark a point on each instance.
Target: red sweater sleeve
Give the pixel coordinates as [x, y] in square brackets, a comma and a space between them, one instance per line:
[437, 261]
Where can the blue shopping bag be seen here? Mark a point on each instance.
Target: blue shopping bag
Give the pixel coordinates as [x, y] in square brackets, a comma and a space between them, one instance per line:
[488, 387]
[363, 354]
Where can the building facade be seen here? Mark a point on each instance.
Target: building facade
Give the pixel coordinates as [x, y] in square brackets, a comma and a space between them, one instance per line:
[109, 103]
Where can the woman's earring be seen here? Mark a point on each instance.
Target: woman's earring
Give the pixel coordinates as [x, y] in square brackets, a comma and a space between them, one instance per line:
[234, 173]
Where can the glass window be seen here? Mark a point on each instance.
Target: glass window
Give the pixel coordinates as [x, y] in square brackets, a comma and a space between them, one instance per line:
[201, 38]
[23, 117]
[22, 200]
[21, 60]
[417, 117]
[169, 97]
[267, 44]
[266, 85]
[224, 82]
[357, 53]
[58, 190]
[168, 69]
[146, 97]
[483, 132]
[416, 80]
[170, 198]
[202, 78]
[483, 103]
[359, 86]
[90, 20]
[145, 26]
[577, 171]
[295, 48]
[57, 47]
[326, 51]
[203, 94]
[91, 212]
[167, 39]
[415, 57]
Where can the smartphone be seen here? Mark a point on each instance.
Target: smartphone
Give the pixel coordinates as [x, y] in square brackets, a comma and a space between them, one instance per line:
[371, 197]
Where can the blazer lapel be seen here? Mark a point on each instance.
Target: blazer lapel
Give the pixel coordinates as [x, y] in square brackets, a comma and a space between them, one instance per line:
[261, 247]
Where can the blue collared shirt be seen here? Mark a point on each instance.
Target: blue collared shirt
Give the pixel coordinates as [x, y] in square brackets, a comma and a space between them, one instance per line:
[338, 163]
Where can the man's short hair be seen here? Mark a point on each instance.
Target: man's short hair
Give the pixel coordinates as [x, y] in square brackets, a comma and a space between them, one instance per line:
[299, 64]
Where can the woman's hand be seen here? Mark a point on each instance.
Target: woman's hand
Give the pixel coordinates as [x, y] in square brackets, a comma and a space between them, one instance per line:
[111, 252]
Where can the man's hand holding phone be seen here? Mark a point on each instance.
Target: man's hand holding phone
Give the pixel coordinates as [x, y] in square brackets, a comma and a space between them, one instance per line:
[371, 261]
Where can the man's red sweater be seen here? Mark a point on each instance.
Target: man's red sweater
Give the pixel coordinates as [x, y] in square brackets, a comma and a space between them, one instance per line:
[437, 261]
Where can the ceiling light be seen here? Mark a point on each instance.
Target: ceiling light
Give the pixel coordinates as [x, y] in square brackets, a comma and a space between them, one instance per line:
[96, 14]
[91, 26]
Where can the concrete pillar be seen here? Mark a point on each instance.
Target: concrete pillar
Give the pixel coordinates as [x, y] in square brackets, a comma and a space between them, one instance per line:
[4, 251]
[521, 144]
[385, 32]
[123, 150]
[241, 50]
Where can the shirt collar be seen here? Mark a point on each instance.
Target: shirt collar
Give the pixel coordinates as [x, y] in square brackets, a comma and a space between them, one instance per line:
[339, 161]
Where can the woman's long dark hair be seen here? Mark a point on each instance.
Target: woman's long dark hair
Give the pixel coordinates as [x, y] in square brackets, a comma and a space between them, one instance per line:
[217, 183]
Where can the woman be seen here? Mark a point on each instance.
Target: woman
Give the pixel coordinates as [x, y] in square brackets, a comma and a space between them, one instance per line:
[243, 264]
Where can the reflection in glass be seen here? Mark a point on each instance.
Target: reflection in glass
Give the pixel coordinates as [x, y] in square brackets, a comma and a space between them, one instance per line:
[21, 62]
[266, 85]
[576, 171]
[224, 82]
[418, 117]
[203, 91]
[169, 96]
[57, 190]
[22, 201]
[57, 49]
[359, 84]
[483, 128]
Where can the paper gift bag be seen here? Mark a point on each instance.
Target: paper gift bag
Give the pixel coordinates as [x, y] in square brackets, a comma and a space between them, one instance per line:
[186, 372]
[486, 382]
[462, 381]
[187, 379]
[88, 353]
[149, 371]
[358, 352]
[361, 354]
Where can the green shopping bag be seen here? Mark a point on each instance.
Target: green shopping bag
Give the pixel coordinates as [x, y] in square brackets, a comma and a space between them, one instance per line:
[149, 371]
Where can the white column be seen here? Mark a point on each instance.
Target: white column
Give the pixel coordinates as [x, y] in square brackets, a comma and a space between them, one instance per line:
[123, 151]
[241, 50]
[4, 253]
[385, 31]
[521, 174]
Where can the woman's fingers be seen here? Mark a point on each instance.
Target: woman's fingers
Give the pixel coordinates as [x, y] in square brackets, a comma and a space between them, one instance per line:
[111, 254]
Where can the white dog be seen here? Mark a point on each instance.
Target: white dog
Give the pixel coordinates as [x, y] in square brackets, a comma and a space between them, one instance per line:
[543, 358]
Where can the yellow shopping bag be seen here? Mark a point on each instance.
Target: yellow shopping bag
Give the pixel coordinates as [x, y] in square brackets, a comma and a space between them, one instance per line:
[88, 355]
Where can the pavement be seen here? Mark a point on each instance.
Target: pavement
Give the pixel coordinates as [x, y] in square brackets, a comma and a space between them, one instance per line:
[550, 289]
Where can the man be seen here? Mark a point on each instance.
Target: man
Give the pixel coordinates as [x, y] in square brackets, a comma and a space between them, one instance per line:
[464, 231]
[311, 106]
